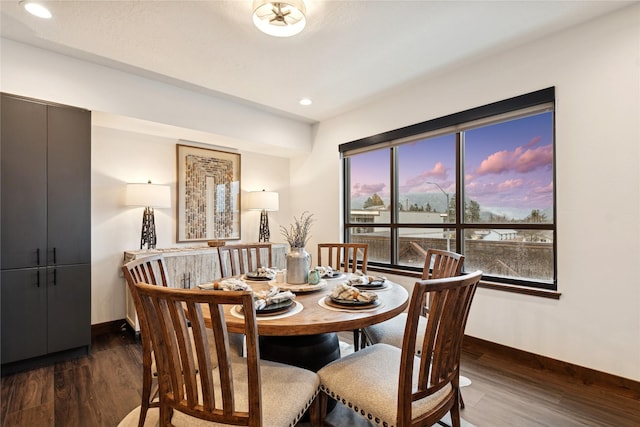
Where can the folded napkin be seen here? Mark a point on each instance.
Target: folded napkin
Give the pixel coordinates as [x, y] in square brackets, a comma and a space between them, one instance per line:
[231, 285]
[358, 278]
[348, 293]
[325, 271]
[261, 299]
[265, 272]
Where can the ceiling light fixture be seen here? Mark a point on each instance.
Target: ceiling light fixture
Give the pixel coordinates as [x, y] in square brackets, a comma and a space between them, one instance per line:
[36, 9]
[305, 101]
[279, 18]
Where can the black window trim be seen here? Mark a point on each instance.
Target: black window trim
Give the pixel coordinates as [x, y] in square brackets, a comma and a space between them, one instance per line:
[521, 102]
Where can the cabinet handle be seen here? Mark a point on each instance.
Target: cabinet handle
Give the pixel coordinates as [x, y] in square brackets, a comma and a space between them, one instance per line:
[54, 255]
[38, 278]
[55, 277]
[38, 259]
[189, 287]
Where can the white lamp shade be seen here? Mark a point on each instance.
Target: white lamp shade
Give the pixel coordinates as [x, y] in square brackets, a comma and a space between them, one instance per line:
[283, 18]
[151, 195]
[263, 200]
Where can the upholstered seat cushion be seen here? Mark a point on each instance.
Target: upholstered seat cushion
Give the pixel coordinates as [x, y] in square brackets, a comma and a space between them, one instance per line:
[285, 389]
[392, 331]
[374, 393]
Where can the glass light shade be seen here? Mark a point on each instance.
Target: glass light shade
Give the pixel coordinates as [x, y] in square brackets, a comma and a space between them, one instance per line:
[263, 200]
[279, 18]
[148, 195]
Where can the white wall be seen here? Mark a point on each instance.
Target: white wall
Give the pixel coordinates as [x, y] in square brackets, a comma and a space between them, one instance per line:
[595, 69]
[120, 156]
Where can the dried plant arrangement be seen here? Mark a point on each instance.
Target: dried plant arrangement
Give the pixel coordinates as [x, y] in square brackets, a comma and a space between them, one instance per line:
[298, 233]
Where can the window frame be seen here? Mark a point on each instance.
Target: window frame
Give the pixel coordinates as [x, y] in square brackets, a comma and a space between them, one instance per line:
[496, 112]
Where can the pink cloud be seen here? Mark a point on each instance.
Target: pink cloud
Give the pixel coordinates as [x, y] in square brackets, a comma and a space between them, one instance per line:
[509, 184]
[439, 171]
[522, 159]
[359, 190]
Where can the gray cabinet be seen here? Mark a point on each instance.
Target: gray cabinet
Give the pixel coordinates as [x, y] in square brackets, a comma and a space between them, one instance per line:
[46, 228]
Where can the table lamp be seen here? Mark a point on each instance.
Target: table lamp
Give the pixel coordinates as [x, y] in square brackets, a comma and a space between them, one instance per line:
[150, 196]
[263, 201]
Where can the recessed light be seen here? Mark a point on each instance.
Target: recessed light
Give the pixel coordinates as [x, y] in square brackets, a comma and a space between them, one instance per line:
[36, 9]
[305, 101]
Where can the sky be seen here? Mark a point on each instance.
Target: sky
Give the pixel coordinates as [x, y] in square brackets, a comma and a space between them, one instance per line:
[508, 167]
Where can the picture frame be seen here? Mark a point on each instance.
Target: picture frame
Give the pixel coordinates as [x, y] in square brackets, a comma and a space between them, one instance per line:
[208, 194]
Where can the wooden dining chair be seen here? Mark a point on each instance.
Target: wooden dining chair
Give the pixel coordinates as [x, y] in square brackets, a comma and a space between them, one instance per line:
[438, 264]
[394, 387]
[241, 259]
[347, 257]
[153, 270]
[244, 391]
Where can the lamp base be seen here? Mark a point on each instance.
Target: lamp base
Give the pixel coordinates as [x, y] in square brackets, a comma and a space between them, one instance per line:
[264, 227]
[148, 235]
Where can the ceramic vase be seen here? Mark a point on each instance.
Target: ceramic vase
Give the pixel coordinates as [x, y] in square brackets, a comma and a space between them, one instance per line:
[298, 265]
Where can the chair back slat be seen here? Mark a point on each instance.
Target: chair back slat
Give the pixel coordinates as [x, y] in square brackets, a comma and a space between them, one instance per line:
[187, 379]
[347, 257]
[241, 259]
[440, 359]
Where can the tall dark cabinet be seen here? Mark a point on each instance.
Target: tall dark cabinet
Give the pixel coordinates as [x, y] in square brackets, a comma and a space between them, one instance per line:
[45, 263]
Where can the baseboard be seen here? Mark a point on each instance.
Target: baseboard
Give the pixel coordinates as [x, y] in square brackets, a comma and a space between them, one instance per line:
[619, 385]
[113, 326]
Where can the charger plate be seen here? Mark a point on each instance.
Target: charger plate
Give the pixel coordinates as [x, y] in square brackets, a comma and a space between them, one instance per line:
[305, 287]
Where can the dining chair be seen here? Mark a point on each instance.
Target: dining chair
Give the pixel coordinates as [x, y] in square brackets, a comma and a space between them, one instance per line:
[391, 385]
[438, 264]
[153, 270]
[345, 257]
[193, 391]
[240, 259]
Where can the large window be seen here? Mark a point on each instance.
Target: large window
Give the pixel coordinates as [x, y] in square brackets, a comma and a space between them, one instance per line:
[479, 182]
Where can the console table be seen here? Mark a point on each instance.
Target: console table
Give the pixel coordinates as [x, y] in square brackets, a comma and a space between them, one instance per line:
[188, 267]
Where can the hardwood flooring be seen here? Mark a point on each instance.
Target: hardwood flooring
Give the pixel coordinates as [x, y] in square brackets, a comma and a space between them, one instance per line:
[100, 389]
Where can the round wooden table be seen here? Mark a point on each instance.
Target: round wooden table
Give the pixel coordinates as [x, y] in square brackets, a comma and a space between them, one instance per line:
[315, 319]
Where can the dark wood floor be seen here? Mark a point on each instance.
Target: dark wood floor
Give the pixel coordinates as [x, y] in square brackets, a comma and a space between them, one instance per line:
[102, 388]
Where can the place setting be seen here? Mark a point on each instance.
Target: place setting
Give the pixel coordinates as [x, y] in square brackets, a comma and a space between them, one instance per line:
[363, 281]
[345, 297]
[269, 300]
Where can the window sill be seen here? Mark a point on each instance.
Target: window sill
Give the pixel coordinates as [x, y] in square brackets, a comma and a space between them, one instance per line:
[543, 293]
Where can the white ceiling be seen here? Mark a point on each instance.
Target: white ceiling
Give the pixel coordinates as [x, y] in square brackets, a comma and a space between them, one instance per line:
[350, 52]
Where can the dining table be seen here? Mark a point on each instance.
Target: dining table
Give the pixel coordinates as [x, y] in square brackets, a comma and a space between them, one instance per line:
[306, 335]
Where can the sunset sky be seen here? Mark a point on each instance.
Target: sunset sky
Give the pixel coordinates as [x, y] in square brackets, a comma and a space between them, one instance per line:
[508, 166]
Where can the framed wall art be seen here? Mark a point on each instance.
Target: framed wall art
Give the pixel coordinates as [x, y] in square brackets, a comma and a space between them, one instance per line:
[208, 194]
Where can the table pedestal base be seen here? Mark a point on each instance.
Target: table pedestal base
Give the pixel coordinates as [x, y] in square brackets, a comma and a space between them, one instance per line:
[305, 351]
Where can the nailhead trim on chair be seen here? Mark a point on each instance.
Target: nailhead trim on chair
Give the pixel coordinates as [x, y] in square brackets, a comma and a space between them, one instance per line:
[350, 405]
[300, 414]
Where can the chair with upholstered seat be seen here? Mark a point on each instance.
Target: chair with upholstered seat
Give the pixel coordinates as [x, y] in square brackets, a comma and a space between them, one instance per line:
[391, 385]
[194, 391]
[347, 257]
[241, 259]
[438, 264]
[153, 270]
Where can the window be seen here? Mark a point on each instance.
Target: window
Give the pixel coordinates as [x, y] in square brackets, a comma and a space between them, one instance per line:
[479, 182]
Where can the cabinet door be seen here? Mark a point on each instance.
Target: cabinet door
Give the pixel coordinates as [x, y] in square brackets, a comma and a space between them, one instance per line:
[24, 314]
[69, 307]
[69, 185]
[24, 183]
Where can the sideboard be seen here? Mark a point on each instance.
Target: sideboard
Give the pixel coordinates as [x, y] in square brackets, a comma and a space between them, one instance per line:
[188, 267]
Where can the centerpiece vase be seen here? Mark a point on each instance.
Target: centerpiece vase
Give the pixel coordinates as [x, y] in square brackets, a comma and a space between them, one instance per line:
[298, 265]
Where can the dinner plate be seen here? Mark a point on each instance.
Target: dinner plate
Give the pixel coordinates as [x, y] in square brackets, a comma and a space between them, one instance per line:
[376, 284]
[305, 287]
[351, 304]
[271, 309]
[334, 275]
[254, 276]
